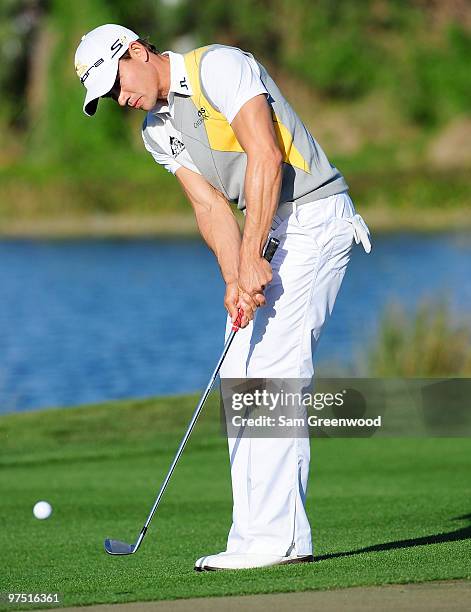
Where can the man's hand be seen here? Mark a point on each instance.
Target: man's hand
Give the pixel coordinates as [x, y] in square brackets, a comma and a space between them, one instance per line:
[231, 299]
[254, 275]
[235, 299]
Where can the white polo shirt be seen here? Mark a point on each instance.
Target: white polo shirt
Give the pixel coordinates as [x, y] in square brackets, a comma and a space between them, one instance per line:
[229, 78]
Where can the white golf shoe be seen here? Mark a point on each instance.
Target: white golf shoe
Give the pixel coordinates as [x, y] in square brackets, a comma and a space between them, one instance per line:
[235, 561]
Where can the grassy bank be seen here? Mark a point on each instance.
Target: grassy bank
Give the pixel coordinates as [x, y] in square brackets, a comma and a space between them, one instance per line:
[382, 510]
[381, 219]
[135, 198]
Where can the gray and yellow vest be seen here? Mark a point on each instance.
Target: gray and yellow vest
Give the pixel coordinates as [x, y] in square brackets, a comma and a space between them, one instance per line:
[215, 151]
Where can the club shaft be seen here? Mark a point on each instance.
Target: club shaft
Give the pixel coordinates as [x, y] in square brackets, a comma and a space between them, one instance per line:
[179, 452]
[269, 251]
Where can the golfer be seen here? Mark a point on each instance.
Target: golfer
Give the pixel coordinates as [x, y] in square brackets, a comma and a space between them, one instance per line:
[218, 122]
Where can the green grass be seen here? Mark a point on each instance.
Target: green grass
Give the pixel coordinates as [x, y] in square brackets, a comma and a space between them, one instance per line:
[382, 510]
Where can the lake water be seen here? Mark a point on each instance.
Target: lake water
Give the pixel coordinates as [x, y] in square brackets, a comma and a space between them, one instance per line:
[92, 320]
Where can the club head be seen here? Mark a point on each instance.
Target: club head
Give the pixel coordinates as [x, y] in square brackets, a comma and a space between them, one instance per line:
[115, 547]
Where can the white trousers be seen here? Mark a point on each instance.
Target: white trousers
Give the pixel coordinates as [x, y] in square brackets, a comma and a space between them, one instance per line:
[270, 475]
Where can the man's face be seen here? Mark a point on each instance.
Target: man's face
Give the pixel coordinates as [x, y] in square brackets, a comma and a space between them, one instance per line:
[137, 81]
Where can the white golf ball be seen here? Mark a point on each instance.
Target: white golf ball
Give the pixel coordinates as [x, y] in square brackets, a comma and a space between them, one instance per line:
[42, 510]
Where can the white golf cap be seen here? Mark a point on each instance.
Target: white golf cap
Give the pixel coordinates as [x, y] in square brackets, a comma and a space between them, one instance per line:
[96, 61]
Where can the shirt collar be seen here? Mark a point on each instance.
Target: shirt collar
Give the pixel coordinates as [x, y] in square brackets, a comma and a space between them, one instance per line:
[179, 83]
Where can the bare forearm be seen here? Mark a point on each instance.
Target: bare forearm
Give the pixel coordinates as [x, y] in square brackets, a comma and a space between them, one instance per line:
[221, 233]
[215, 219]
[262, 192]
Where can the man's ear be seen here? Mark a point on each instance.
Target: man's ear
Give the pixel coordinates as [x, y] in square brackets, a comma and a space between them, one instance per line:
[138, 51]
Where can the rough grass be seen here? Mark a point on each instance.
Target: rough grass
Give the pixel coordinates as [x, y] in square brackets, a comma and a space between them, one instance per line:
[427, 344]
[382, 510]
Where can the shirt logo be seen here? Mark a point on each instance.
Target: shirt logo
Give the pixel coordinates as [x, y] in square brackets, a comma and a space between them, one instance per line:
[203, 115]
[183, 83]
[176, 145]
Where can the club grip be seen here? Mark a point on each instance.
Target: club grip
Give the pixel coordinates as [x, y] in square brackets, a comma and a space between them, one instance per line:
[268, 252]
[270, 248]
[238, 322]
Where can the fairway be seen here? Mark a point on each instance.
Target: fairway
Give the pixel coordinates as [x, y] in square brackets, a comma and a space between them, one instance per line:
[382, 510]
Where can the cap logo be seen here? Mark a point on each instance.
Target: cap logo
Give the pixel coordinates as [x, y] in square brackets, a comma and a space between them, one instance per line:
[87, 72]
[118, 44]
[80, 69]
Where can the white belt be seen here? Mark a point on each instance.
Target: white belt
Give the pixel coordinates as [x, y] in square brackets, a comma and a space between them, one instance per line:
[361, 233]
[284, 210]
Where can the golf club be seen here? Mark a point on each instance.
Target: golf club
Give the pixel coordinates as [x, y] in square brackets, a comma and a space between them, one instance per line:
[116, 547]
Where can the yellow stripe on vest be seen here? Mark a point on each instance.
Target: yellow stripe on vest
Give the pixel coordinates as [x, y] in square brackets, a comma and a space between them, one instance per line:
[291, 155]
[221, 136]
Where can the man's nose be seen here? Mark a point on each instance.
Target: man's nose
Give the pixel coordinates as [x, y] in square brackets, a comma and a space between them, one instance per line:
[123, 98]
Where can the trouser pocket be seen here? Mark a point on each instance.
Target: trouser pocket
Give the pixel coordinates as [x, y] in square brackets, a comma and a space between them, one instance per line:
[341, 233]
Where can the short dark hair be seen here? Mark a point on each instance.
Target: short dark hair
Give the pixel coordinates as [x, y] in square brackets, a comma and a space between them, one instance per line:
[115, 90]
[145, 43]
